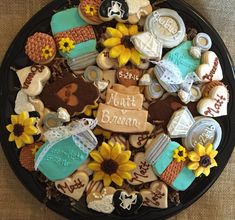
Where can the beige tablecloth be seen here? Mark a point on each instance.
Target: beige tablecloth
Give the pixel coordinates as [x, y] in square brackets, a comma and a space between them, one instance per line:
[17, 203]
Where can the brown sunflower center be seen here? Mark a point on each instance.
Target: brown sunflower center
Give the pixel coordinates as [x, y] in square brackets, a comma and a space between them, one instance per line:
[66, 44]
[181, 153]
[205, 161]
[18, 130]
[126, 41]
[109, 166]
[47, 51]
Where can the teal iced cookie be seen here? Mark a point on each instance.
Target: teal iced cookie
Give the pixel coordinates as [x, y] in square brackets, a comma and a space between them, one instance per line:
[180, 56]
[59, 159]
[160, 155]
[74, 37]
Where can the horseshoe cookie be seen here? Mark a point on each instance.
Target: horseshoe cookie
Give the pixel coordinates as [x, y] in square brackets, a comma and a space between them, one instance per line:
[71, 93]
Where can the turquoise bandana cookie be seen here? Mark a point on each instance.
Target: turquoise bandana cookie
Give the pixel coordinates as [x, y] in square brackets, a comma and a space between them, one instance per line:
[74, 37]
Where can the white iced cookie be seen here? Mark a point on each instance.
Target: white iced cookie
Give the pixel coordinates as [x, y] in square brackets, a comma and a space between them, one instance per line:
[101, 201]
[145, 80]
[148, 45]
[143, 172]
[33, 79]
[138, 9]
[156, 195]
[73, 186]
[104, 61]
[210, 69]
[166, 26]
[22, 103]
[93, 74]
[153, 91]
[215, 105]
[63, 114]
[202, 41]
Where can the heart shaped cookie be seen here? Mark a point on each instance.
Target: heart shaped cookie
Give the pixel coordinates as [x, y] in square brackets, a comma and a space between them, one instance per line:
[143, 172]
[102, 201]
[33, 79]
[71, 93]
[156, 195]
[215, 105]
[210, 69]
[73, 186]
[125, 203]
[128, 76]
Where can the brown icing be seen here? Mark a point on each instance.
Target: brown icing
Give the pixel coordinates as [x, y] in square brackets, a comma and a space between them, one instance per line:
[128, 76]
[71, 93]
[71, 188]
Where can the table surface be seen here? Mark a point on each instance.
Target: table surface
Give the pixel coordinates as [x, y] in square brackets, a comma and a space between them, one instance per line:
[17, 203]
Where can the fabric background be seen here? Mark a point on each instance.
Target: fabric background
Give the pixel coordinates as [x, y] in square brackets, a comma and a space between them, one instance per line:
[18, 204]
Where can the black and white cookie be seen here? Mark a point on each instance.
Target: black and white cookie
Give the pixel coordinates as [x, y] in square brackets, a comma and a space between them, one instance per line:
[114, 9]
[125, 203]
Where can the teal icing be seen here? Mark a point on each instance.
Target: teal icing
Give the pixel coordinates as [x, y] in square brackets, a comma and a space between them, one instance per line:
[66, 20]
[184, 179]
[81, 49]
[61, 160]
[181, 57]
[165, 158]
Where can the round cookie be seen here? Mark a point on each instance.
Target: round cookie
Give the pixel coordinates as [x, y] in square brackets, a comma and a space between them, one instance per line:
[88, 10]
[40, 48]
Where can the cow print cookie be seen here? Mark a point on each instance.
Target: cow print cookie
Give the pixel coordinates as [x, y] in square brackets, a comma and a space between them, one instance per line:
[71, 93]
[125, 203]
[114, 9]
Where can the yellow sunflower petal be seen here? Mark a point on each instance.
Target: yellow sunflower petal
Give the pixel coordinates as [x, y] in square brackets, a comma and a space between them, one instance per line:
[124, 57]
[213, 154]
[107, 180]
[199, 171]
[127, 166]
[112, 32]
[96, 156]
[213, 163]
[135, 57]
[94, 166]
[123, 157]
[116, 150]
[208, 148]
[97, 131]
[105, 151]
[31, 130]
[111, 42]
[117, 179]
[10, 127]
[107, 134]
[14, 119]
[22, 117]
[200, 150]
[98, 175]
[193, 156]
[29, 121]
[207, 171]
[124, 175]
[27, 139]
[19, 142]
[122, 28]
[133, 29]
[116, 51]
[193, 165]
[11, 137]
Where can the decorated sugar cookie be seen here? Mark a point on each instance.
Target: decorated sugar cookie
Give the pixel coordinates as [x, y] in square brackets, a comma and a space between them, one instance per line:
[89, 11]
[210, 69]
[128, 76]
[137, 9]
[73, 36]
[104, 61]
[22, 103]
[71, 93]
[101, 201]
[120, 45]
[167, 26]
[73, 186]
[93, 186]
[40, 48]
[114, 9]
[156, 195]
[143, 172]
[216, 103]
[33, 79]
[127, 203]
